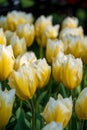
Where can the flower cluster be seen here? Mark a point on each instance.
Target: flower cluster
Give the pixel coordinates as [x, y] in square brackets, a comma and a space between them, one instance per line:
[26, 73]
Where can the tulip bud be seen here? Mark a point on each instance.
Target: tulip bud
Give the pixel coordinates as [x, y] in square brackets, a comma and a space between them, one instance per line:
[15, 18]
[6, 105]
[18, 45]
[59, 110]
[49, 32]
[53, 126]
[27, 31]
[70, 22]
[24, 81]
[41, 23]
[25, 59]
[68, 70]
[81, 105]
[6, 61]
[52, 49]
[2, 37]
[43, 71]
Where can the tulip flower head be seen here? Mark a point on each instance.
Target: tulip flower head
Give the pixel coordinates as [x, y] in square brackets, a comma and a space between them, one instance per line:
[25, 59]
[6, 105]
[27, 32]
[41, 23]
[71, 31]
[24, 81]
[18, 45]
[6, 61]
[50, 32]
[70, 22]
[59, 110]
[52, 49]
[43, 71]
[53, 126]
[68, 70]
[81, 105]
[15, 18]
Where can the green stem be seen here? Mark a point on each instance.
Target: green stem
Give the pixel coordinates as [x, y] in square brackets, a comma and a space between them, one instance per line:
[63, 90]
[3, 128]
[41, 51]
[82, 125]
[21, 103]
[70, 124]
[33, 115]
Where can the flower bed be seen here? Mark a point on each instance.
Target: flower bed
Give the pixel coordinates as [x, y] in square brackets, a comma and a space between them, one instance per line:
[43, 73]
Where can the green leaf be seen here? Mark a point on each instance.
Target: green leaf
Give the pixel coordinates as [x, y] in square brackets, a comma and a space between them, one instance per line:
[20, 125]
[42, 95]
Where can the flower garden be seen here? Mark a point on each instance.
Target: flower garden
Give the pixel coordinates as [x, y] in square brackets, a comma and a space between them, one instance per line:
[43, 73]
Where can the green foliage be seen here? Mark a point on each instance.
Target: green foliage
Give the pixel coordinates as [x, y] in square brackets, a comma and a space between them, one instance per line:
[20, 125]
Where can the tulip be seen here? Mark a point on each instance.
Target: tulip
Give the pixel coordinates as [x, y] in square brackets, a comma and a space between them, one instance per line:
[27, 31]
[71, 31]
[49, 32]
[70, 22]
[52, 49]
[53, 126]
[18, 45]
[68, 70]
[26, 59]
[24, 81]
[2, 37]
[77, 46]
[41, 23]
[43, 71]
[81, 105]
[6, 105]
[59, 110]
[6, 61]
[15, 18]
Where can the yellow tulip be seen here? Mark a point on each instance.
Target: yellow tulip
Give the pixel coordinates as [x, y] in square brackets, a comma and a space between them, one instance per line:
[81, 105]
[71, 31]
[57, 66]
[68, 70]
[70, 22]
[15, 18]
[59, 110]
[41, 23]
[6, 61]
[6, 105]
[53, 126]
[18, 45]
[77, 46]
[2, 37]
[25, 59]
[50, 32]
[27, 31]
[43, 71]
[24, 81]
[52, 49]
